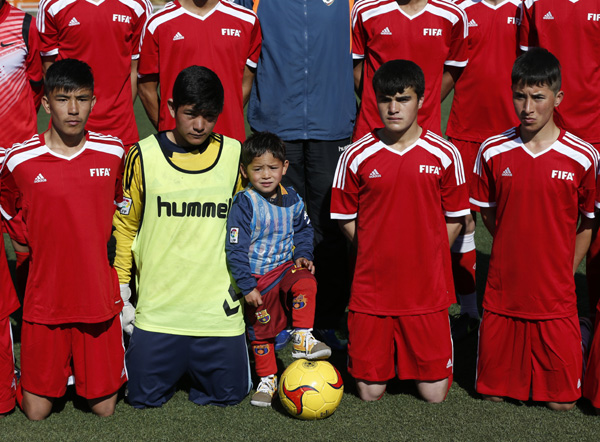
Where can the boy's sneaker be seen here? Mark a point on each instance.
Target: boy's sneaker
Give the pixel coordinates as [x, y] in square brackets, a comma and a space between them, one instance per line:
[282, 339]
[307, 347]
[463, 325]
[265, 391]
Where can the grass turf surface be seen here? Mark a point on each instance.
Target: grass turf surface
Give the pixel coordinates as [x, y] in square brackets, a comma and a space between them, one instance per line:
[399, 415]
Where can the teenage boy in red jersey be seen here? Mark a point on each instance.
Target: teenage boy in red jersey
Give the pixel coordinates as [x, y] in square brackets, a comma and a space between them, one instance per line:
[431, 33]
[217, 34]
[529, 338]
[64, 184]
[398, 320]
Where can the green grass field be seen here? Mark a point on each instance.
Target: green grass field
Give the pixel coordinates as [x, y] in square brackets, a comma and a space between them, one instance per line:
[399, 415]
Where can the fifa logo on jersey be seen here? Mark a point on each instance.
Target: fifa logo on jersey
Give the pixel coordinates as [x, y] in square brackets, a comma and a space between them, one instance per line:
[435, 170]
[263, 316]
[231, 32]
[562, 175]
[432, 31]
[100, 172]
[593, 17]
[514, 21]
[121, 18]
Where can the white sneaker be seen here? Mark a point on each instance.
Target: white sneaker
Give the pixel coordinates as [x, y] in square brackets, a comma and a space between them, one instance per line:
[265, 391]
[307, 347]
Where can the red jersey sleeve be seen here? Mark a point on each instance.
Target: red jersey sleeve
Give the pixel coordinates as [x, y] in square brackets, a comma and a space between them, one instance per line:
[149, 63]
[344, 194]
[138, 28]
[10, 204]
[586, 192]
[33, 64]
[527, 31]
[358, 35]
[255, 45]
[48, 30]
[483, 190]
[458, 54]
[454, 191]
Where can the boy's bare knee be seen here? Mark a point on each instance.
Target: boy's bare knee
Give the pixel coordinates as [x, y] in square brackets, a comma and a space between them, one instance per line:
[370, 391]
[35, 407]
[433, 392]
[104, 406]
[561, 406]
[492, 398]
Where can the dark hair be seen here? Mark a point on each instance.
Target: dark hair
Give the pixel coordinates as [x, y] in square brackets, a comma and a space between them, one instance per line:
[68, 75]
[200, 87]
[398, 75]
[259, 143]
[537, 67]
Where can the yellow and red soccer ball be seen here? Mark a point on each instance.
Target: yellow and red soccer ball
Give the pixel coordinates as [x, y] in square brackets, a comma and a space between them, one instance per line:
[311, 389]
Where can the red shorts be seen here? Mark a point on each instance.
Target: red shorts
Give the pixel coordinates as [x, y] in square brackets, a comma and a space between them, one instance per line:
[279, 298]
[525, 359]
[7, 368]
[468, 152]
[410, 347]
[93, 353]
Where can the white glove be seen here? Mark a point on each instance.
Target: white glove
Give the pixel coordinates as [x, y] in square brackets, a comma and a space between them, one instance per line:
[128, 313]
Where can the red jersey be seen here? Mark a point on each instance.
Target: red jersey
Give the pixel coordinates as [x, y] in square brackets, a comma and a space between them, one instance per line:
[65, 206]
[20, 76]
[482, 105]
[399, 200]
[225, 40]
[106, 35]
[432, 38]
[571, 31]
[8, 296]
[538, 198]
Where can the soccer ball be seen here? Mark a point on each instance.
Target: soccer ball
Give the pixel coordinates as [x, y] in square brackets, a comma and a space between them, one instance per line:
[311, 389]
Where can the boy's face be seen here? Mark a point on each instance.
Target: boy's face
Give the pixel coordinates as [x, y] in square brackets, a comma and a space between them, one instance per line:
[534, 105]
[264, 173]
[191, 129]
[399, 112]
[69, 110]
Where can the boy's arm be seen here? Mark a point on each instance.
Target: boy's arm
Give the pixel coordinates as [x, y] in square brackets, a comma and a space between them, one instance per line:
[488, 215]
[454, 226]
[583, 240]
[348, 228]
[237, 245]
[303, 234]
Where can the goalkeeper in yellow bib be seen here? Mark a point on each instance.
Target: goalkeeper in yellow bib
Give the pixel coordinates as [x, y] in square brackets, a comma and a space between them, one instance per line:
[178, 188]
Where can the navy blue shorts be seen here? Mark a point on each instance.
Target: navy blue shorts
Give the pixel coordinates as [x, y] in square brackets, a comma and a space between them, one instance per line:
[218, 367]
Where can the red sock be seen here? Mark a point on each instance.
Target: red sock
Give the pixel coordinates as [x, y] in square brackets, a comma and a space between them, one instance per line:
[463, 269]
[264, 357]
[304, 294]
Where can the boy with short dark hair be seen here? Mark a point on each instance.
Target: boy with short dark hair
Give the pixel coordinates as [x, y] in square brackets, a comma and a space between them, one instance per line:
[178, 188]
[529, 339]
[400, 196]
[270, 253]
[64, 184]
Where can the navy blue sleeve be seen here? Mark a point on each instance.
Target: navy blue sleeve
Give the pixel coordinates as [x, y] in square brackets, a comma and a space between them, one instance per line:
[303, 234]
[238, 243]
[246, 3]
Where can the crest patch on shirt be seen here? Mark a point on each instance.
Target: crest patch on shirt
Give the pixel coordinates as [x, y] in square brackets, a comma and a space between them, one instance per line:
[125, 206]
[234, 233]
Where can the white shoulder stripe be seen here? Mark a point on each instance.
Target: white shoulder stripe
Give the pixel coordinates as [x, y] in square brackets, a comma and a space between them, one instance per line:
[117, 151]
[20, 157]
[379, 10]
[242, 14]
[457, 159]
[137, 7]
[340, 173]
[574, 155]
[160, 19]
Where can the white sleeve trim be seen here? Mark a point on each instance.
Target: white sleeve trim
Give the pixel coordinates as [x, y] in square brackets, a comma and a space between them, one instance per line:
[358, 56]
[251, 63]
[458, 214]
[482, 203]
[49, 53]
[5, 215]
[458, 64]
[343, 216]
[524, 48]
[135, 56]
[589, 215]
